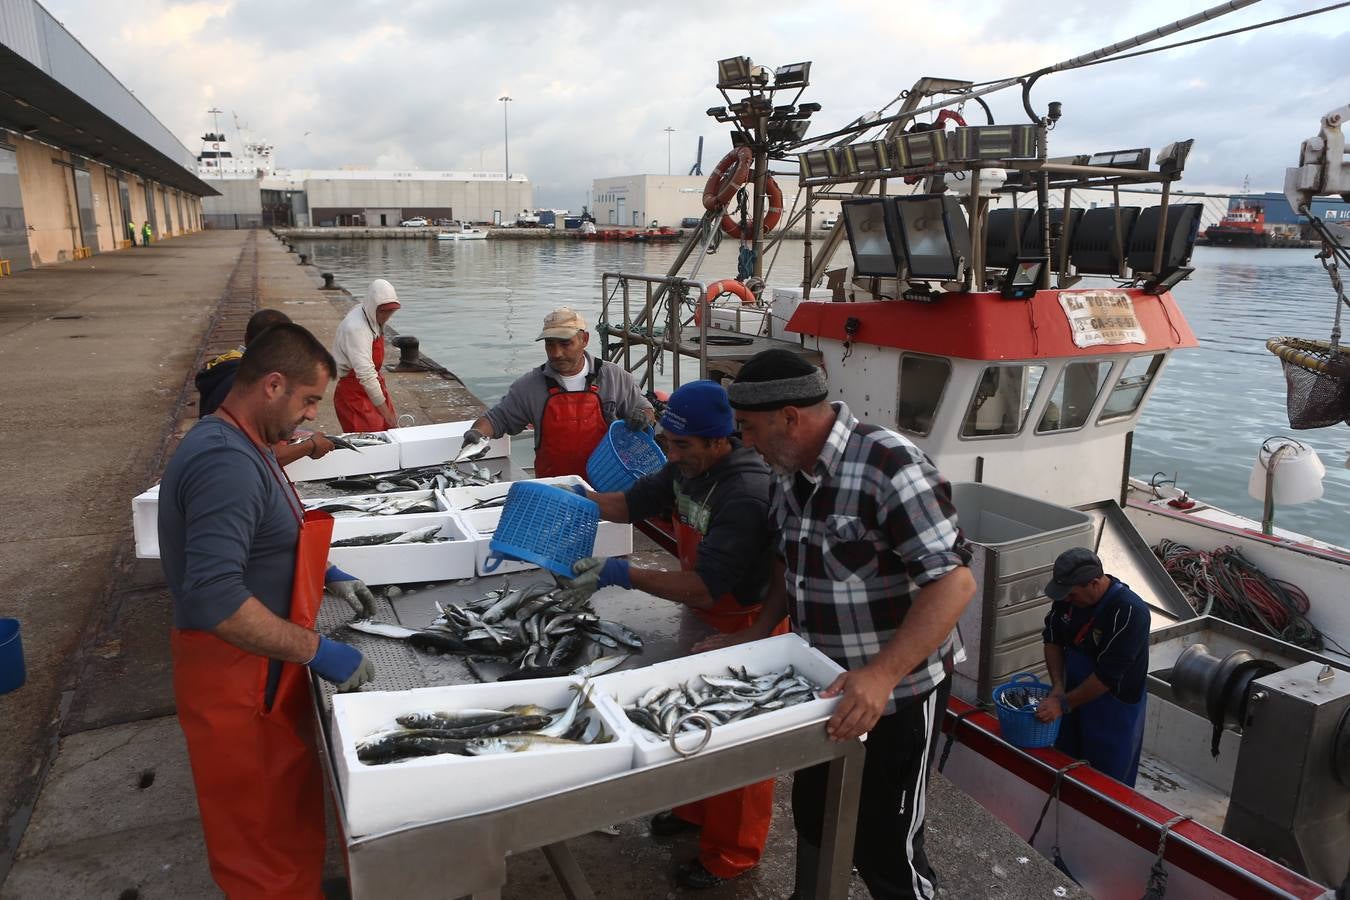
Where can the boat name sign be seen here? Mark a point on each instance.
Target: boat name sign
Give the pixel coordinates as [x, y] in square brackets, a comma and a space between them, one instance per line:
[1101, 317]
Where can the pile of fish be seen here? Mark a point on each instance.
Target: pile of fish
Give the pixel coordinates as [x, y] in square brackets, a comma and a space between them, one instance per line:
[721, 698]
[1021, 698]
[428, 535]
[402, 504]
[420, 478]
[483, 732]
[533, 630]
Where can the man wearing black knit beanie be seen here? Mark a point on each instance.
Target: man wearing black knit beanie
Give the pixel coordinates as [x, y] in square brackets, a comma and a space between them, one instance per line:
[872, 571]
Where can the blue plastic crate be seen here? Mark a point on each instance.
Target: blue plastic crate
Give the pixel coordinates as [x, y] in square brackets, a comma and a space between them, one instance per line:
[544, 525]
[1020, 727]
[621, 458]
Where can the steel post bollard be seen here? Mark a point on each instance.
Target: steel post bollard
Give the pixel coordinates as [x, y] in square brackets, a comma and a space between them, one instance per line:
[304, 259]
[328, 284]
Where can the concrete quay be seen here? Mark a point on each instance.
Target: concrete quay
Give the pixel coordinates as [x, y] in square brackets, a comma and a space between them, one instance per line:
[95, 794]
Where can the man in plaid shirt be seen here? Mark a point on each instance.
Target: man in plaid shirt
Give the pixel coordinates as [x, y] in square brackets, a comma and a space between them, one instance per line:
[872, 571]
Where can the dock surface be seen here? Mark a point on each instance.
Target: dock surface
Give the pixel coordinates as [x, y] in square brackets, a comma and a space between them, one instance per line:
[96, 798]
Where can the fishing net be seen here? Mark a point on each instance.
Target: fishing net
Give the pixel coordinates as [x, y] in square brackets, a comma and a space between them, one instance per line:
[1317, 375]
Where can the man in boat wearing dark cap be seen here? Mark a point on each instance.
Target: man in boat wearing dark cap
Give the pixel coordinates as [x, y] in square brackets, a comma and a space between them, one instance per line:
[570, 400]
[872, 570]
[1096, 650]
[717, 492]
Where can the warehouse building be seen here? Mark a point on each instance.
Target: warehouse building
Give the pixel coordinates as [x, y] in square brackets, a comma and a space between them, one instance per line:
[80, 156]
[635, 201]
[365, 197]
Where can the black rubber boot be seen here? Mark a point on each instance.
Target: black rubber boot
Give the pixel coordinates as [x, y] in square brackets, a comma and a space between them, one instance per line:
[808, 870]
[667, 824]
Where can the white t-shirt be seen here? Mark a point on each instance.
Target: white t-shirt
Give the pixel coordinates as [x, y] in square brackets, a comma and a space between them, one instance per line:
[575, 382]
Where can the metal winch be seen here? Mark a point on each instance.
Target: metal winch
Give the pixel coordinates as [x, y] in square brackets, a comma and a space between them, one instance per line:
[1291, 789]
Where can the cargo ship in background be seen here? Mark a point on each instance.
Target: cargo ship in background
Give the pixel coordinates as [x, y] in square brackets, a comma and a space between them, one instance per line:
[1266, 220]
[1244, 225]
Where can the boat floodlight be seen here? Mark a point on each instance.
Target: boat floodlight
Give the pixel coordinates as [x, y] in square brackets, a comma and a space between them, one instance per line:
[784, 112]
[934, 235]
[807, 109]
[869, 237]
[1167, 282]
[1172, 158]
[823, 163]
[923, 148]
[992, 142]
[866, 159]
[788, 130]
[792, 75]
[718, 112]
[734, 72]
[1121, 159]
[1286, 471]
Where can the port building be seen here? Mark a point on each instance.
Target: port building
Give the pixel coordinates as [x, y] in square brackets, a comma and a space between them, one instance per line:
[80, 156]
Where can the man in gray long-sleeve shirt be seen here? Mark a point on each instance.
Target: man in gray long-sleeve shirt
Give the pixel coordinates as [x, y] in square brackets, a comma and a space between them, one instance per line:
[570, 400]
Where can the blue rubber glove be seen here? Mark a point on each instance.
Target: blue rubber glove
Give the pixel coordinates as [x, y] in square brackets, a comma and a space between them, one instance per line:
[593, 573]
[351, 590]
[341, 664]
[578, 489]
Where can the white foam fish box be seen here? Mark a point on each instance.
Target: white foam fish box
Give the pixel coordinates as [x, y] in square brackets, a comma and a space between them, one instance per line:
[429, 445]
[145, 523]
[759, 657]
[405, 563]
[341, 463]
[611, 538]
[381, 797]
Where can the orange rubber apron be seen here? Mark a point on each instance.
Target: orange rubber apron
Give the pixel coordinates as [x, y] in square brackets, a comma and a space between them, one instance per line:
[734, 825]
[572, 424]
[259, 785]
[355, 412]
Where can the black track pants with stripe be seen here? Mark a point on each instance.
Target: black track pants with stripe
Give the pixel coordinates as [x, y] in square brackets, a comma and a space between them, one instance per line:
[888, 844]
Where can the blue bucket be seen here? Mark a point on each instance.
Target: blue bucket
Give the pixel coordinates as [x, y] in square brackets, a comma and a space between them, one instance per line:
[621, 458]
[546, 525]
[12, 672]
[1020, 727]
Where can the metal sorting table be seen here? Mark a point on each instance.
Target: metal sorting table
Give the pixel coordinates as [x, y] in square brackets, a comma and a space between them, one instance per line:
[466, 856]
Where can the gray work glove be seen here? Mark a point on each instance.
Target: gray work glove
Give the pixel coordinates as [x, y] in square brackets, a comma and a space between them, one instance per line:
[637, 420]
[351, 590]
[471, 437]
[364, 672]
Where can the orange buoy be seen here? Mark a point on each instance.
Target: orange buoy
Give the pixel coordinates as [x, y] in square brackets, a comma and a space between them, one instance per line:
[717, 289]
[774, 212]
[725, 181]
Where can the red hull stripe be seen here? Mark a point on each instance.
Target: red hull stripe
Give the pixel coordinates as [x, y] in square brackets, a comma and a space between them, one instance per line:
[986, 326]
[1122, 810]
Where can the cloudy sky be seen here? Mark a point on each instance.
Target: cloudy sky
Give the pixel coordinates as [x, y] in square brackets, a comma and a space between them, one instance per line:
[415, 83]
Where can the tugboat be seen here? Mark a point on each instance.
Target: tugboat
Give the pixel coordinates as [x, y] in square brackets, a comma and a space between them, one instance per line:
[1244, 225]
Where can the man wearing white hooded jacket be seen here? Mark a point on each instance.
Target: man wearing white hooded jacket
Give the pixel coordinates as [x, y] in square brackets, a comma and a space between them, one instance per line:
[361, 397]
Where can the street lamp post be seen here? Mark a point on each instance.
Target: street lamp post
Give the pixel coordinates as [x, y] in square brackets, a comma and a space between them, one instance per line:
[506, 133]
[669, 132]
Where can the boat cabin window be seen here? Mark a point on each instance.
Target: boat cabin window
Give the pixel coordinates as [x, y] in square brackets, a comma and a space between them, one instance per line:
[1128, 392]
[1074, 395]
[1001, 401]
[922, 382]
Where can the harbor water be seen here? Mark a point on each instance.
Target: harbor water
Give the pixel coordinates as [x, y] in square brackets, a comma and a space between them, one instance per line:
[477, 306]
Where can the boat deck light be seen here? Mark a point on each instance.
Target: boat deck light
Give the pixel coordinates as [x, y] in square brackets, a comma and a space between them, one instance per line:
[734, 72]
[793, 75]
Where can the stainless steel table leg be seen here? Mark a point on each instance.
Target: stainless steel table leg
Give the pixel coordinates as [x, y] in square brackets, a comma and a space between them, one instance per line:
[568, 873]
[841, 818]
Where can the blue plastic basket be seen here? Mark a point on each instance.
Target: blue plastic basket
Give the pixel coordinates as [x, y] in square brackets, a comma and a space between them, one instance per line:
[544, 525]
[1020, 727]
[622, 457]
[12, 672]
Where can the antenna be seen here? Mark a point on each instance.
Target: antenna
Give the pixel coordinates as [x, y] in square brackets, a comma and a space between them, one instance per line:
[215, 119]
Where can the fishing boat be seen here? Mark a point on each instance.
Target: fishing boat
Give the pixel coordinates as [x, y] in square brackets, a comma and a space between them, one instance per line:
[1243, 225]
[1017, 344]
[465, 232]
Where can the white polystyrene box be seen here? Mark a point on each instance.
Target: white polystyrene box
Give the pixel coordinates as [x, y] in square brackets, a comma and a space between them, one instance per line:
[428, 445]
[379, 798]
[145, 523]
[340, 463]
[759, 657]
[611, 538]
[404, 563]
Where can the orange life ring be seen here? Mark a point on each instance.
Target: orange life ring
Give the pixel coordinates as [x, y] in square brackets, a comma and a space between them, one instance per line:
[731, 228]
[717, 289]
[725, 181]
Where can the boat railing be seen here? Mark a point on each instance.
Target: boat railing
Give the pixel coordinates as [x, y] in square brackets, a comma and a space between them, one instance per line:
[653, 313]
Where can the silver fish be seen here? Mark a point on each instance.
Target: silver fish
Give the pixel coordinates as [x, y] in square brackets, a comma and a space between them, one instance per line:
[382, 629]
[472, 452]
[418, 535]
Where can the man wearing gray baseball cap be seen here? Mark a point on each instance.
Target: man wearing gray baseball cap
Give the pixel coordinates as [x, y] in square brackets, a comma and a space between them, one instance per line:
[1096, 648]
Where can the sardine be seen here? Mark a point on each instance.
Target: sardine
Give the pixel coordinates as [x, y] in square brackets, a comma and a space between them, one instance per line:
[434, 641]
[418, 535]
[601, 665]
[453, 718]
[382, 629]
[473, 451]
[392, 749]
[515, 743]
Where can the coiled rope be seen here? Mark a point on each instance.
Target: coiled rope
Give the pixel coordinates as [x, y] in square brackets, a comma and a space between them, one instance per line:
[1225, 584]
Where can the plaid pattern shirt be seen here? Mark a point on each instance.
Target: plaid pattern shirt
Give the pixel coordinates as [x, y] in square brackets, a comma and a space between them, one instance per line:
[860, 535]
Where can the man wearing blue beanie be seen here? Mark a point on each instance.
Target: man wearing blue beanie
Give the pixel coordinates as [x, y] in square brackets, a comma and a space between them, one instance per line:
[717, 493]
